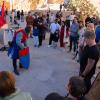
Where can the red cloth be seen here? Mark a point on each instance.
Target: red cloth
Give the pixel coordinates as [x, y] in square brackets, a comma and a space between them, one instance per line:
[24, 38]
[2, 10]
[2, 19]
[24, 51]
[62, 37]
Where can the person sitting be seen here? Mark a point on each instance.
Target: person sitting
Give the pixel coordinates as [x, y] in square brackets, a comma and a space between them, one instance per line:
[8, 90]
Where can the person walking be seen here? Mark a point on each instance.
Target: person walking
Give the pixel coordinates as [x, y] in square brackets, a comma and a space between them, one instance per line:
[74, 35]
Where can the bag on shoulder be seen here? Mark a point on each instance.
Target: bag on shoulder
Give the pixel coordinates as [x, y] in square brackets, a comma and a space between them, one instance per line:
[56, 36]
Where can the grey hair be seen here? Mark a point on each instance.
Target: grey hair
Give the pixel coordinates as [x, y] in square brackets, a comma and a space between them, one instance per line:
[89, 35]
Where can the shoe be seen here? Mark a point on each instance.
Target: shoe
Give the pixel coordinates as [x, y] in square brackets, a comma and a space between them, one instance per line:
[3, 49]
[16, 72]
[20, 66]
[49, 45]
[69, 51]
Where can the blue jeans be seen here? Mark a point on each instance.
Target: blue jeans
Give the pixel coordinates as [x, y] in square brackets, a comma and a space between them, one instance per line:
[73, 42]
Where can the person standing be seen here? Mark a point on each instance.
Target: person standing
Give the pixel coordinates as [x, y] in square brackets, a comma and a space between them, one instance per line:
[53, 28]
[89, 58]
[22, 16]
[35, 36]
[29, 19]
[41, 30]
[52, 18]
[18, 15]
[97, 31]
[19, 43]
[71, 18]
[74, 35]
[62, 35]
[12, 16]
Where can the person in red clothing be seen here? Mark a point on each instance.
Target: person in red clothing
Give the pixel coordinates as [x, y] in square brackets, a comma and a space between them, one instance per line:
[19, 43]
[2, 19]
[29, 19]
[63, 34]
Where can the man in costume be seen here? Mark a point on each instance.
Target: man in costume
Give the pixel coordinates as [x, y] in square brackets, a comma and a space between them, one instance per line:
[19, 43]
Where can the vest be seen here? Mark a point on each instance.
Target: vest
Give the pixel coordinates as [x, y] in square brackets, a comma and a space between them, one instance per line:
[24, 38]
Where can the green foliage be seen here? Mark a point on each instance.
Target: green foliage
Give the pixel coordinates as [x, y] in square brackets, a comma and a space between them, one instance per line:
[83, 6]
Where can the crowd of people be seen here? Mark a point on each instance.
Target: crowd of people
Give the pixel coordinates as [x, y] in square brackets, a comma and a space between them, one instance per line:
[82, 37]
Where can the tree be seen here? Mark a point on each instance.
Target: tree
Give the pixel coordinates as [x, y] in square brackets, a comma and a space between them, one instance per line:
[84, 6]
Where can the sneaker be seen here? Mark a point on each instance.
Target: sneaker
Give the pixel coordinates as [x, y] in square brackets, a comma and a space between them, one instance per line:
[49, 45]
[16, 72]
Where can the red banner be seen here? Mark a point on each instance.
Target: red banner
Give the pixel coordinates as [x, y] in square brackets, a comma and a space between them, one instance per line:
[2, 19]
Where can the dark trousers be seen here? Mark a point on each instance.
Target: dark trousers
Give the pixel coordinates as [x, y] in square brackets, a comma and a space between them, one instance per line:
[73, 42]
[14, 62]
[87, 83]
[40, 40]
[51, 39]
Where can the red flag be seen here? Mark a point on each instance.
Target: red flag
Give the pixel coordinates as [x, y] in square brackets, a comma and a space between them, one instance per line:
[2, 10]
[2, 19]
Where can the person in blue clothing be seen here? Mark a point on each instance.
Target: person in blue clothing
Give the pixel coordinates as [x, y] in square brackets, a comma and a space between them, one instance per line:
[19, 42]
[97, 31]
[74, 35]
[35, 36]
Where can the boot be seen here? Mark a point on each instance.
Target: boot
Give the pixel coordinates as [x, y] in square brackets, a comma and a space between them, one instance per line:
[20, 65]
[16, 72]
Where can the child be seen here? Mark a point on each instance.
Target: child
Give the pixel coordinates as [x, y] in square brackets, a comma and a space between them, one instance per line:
[35, 36]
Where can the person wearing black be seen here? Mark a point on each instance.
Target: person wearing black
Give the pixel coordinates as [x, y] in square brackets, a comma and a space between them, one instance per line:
[41, 29]
[60, 7]
[88, 19]
[18, 15]
[22, 16]
[89, 58]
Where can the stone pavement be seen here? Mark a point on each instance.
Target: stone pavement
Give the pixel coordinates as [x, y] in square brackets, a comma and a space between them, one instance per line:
[49, 71]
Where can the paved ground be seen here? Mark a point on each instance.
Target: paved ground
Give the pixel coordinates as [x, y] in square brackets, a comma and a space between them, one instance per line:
[49, 71]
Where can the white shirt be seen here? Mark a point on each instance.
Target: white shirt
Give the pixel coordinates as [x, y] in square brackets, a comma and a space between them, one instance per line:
[54, 27]
[81, 35]
[52, 18]
[7, 19]
[0, 8]
[71, 17]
